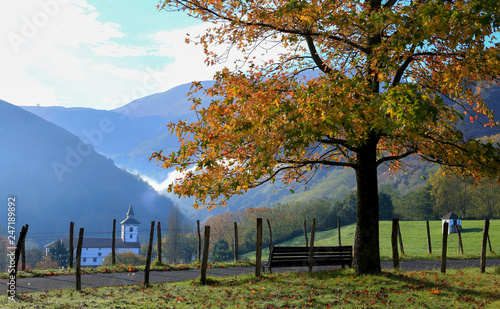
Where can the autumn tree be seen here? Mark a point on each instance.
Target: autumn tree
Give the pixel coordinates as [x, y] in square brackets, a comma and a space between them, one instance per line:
[173, 242]
[486, 200]
[222, 227]
[466, 199]
[384, 74]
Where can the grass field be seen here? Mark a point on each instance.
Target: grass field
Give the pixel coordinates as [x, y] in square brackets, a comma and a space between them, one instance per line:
[323, 289]
[414, 235]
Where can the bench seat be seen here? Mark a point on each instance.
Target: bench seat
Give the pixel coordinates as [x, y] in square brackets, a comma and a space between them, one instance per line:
[299, 256]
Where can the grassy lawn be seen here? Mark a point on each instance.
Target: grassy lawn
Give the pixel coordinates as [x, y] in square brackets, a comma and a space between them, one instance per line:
[323, 289]
[414, 235]
[123, 268]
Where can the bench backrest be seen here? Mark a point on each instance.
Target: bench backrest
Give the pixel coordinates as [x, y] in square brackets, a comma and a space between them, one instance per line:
[340, 252]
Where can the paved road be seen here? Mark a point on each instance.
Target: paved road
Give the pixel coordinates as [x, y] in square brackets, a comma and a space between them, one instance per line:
[25, 285]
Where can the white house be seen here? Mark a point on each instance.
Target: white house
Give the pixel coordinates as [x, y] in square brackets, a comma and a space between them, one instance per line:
[454, 223]
[95, 249]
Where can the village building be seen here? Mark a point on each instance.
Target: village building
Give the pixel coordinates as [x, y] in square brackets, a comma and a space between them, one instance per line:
[454, 223]
[94, 250]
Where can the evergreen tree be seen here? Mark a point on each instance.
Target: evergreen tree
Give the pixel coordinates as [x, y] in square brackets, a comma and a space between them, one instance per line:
[59, 253]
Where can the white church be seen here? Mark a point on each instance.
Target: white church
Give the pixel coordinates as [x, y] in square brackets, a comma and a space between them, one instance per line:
[95, 249]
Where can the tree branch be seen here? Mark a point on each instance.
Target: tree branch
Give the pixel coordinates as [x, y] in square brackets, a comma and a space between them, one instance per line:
[390, 3]
[315, 56]
[323, 162]
[398, 157]
[332, 141]
[196, 6]
[401, 71]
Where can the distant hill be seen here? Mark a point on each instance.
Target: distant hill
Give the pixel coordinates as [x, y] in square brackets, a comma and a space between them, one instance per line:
[57, 179]
[171, 104]
[135, 130]
[128, 141]
[477, 129]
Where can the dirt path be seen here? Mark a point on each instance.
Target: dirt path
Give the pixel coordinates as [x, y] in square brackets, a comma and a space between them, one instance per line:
[26, 285]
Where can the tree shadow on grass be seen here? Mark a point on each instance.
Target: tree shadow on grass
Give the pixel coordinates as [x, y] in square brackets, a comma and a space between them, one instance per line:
[471, 230]
[440, 287]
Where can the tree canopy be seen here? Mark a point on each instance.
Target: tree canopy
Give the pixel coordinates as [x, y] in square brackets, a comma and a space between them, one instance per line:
[384, 75]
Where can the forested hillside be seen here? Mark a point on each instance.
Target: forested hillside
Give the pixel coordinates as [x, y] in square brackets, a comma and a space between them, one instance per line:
[56, 178]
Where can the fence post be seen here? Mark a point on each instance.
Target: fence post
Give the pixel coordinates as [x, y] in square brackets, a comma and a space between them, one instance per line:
[445, 245]
[483, 245]
[148, 256]
[338, 231]
[23, 257]
[429, 247]
[79, 261]
[71, 246]
[270, 235]
[400, 240]
[199, 239]
[489, 243]
[460, 246]
[236, 241]
[204, 262]
[311, 248]
[158, 242]
[394, 242]
[305, 234]
[113, 244]
[258, 249]
[17, 253]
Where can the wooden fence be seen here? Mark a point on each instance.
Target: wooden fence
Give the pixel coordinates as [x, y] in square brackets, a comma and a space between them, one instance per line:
[397, 243]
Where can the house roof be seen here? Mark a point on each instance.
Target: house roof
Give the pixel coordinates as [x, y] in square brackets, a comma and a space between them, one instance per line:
[98, 243]
[450, 215]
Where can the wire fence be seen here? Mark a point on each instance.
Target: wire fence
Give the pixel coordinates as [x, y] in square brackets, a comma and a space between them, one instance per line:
[181, 244]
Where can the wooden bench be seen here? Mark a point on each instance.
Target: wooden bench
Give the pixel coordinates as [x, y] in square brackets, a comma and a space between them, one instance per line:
[299, 256]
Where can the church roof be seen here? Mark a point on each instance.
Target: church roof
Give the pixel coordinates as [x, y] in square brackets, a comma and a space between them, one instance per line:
[98, 243]
[130, 211]
[130, 217]
[130, 221]
[450, 215]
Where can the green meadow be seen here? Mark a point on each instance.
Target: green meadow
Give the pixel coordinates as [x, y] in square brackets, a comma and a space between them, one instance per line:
[414, 235]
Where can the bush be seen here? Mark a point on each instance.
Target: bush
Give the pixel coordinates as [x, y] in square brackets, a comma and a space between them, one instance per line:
[126, 258]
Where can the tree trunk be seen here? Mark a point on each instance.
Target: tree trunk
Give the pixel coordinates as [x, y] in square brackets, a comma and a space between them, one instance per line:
[366, 257]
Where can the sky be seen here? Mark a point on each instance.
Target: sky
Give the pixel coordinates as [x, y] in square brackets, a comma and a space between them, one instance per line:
[100, 54]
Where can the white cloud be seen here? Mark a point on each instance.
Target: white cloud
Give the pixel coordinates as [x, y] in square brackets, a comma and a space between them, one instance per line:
[64, 23]
[48, 44]
[113, 49]
[171, 178]
[62, 52]
[189, 59]
[134, 75]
